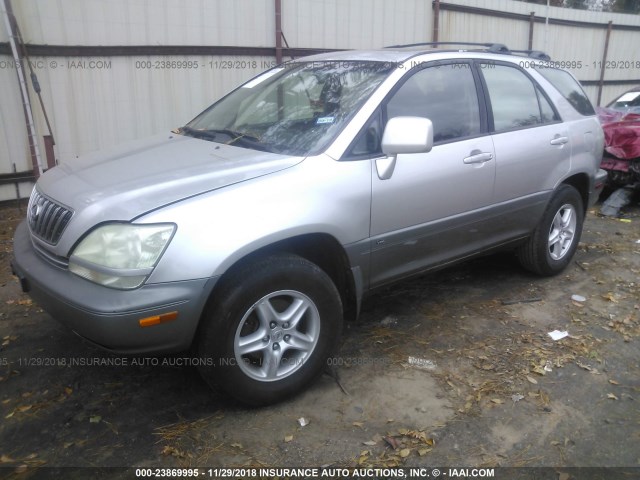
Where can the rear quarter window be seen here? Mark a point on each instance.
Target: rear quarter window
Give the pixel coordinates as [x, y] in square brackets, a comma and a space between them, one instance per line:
[569, 88]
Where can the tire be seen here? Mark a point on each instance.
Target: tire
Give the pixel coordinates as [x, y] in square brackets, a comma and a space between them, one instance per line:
[554, 241]
[270, 331]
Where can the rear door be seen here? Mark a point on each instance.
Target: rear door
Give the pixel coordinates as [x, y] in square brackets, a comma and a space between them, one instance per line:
[532, 146]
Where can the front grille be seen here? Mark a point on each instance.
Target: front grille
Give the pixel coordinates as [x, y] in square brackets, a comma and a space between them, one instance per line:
[47, 219]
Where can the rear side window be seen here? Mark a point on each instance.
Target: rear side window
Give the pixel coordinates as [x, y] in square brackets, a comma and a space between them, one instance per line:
[515, 100]
[569, 88]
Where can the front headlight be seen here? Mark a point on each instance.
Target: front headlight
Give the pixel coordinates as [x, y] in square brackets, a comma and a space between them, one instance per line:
[120, 255]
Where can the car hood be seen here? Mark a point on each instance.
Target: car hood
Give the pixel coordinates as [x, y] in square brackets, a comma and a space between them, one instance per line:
[130, 180]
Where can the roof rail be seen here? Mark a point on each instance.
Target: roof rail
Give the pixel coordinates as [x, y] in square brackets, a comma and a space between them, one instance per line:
[537, 54]
[491, 47]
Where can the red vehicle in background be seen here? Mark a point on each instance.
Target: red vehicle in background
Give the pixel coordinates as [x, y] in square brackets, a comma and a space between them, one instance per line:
[621, 124]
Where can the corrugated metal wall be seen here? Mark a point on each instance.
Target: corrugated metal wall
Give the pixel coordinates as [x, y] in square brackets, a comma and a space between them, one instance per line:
[14, 146]
[579, 48]
[146, 22]
[94, 102]
[356, 24]
[11, 120]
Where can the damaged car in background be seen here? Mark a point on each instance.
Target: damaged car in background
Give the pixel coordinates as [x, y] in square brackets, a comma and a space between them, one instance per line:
[251, 233]
[621, 124]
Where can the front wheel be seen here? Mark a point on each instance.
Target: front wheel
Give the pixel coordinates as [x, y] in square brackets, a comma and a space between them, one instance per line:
[271, 329]
[554, 241]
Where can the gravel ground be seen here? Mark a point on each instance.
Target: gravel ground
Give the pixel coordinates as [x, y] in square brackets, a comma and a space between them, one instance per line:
[454, 369]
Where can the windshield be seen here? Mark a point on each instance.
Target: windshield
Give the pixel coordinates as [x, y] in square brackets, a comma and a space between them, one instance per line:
[294, 109]
[628, 103]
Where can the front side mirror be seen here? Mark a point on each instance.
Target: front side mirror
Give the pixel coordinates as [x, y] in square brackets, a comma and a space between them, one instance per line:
[407, 135]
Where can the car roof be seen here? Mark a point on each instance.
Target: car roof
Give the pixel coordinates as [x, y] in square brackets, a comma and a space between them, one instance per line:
[381, 55]
[402, 53]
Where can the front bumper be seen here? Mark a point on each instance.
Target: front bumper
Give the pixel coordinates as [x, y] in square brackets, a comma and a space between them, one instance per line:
[108, 317]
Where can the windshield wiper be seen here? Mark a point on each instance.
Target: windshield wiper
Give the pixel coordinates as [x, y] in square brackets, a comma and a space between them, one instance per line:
[215, 132]
[238, 138]
[194, 132]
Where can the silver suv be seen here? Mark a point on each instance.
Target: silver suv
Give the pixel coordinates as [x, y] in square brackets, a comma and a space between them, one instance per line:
[252, 232]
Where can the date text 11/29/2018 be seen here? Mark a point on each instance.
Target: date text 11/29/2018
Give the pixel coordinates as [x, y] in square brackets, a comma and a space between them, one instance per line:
[248, 473]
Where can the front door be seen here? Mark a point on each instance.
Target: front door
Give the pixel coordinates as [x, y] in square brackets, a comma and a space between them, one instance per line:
[427, 212]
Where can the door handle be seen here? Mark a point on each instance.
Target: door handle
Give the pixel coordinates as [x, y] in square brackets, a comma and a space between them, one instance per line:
[478, 157]
[558, 140]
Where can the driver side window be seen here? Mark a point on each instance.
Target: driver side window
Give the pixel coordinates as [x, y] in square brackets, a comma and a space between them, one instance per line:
[446, 95]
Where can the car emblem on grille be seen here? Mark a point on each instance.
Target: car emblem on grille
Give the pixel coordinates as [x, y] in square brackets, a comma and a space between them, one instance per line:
[36, 209]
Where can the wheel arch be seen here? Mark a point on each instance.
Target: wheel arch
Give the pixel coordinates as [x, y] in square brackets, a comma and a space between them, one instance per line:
[321, 249]
[581, 182]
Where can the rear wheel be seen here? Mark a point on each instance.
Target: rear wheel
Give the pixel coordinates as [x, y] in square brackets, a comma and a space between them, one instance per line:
[271, 330]
[554, 241]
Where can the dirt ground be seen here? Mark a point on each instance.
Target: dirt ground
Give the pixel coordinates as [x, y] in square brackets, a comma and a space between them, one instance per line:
[453, 369]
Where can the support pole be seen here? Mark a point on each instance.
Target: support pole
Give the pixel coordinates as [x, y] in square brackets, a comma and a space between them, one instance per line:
[532, 22]
[436, 20]
[546, 29]
[278, 6]
[604, 61]
[34, 81]
[7, 13]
